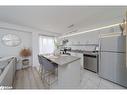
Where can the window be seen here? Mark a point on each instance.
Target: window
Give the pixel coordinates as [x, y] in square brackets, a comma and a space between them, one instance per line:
[46, 45]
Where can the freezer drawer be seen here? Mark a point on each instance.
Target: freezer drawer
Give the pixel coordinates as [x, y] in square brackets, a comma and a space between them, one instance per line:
[121, 70]
[106, 65]
[112, 67]
[91, 63]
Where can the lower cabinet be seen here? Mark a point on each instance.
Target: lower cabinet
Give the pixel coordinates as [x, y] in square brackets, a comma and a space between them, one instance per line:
[80, 55]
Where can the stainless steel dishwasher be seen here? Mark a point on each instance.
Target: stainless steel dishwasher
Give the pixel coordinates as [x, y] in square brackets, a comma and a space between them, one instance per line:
[91, 62]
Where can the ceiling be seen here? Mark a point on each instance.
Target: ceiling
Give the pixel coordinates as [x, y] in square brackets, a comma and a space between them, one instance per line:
[58, 19]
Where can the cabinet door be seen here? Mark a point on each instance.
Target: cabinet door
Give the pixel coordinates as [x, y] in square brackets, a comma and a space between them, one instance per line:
[107, 64]
[80, 55]
[121, 70]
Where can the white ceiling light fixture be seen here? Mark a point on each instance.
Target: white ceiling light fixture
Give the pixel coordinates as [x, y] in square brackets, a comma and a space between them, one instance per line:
[78, 33]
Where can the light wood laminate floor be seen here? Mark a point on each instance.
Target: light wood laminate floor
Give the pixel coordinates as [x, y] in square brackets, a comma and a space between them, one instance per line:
[29, 79]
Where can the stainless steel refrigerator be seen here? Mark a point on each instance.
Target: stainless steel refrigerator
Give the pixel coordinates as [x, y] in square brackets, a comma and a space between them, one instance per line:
[112, 58]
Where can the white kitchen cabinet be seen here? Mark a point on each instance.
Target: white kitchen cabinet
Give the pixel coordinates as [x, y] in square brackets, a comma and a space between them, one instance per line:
[80, 55]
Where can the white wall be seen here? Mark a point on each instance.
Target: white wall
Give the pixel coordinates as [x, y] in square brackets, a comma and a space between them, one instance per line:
[35, 48]
[91, 37]
[35, 42]
[87, 38]
[29, 39]
[26, 41]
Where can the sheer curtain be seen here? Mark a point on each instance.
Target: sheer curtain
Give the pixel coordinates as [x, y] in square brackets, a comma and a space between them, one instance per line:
[46, 45]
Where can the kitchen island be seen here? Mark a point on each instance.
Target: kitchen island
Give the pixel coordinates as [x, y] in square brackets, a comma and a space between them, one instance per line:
[69, 74]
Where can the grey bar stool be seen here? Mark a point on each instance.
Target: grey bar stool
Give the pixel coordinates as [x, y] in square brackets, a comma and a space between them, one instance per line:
[40, 58]
[48, 68]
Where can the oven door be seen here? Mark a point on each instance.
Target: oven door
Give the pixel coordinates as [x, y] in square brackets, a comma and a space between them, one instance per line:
[91, 62]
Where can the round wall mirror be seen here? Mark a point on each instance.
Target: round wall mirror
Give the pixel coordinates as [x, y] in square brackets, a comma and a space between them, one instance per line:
[11, 40]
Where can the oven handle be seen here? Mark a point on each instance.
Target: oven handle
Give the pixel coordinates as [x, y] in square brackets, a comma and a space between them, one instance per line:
[87, 55]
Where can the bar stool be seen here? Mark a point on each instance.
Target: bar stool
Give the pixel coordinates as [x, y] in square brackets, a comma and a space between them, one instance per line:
[48, 68]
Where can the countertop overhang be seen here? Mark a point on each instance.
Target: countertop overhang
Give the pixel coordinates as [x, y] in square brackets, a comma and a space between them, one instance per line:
[62, 59]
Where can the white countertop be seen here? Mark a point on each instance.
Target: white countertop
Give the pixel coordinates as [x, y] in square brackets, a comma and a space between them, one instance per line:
[62, 59]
